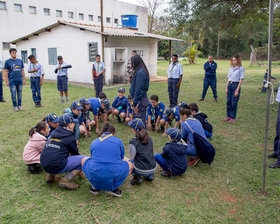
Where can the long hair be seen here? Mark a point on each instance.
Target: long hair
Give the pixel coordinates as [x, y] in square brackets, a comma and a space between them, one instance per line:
[143, 136]
[238, 58]
[138, 63]
[41, 126]
[107, 127]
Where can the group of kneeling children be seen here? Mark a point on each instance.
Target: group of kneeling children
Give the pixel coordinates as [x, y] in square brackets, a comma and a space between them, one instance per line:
[54, 141]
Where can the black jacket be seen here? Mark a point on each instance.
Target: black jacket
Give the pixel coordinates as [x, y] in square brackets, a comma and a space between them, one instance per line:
[203, 120]
[175, 157]
[54, 156]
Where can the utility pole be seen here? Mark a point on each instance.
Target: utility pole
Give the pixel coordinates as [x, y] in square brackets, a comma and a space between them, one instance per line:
[102, 29]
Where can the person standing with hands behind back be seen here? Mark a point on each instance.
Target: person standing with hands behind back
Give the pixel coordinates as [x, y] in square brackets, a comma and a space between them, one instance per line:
[98, 71]
[235, 80]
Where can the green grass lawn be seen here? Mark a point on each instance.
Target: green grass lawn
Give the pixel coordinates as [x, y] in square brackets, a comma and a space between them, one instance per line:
[228, 191]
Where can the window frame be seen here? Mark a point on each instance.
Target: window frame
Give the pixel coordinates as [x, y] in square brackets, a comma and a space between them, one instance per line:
[58, 11]
[108, 19]
[24, 56]
[48, 11]
[70, 13]
[19, 5]
[5, 5]
[90, 16]
[81, 16]
[32, 7]
[52, 60]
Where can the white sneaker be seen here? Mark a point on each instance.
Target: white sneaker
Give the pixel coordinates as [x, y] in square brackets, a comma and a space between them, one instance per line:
[67, 100]
[20, 108]
[16, 109]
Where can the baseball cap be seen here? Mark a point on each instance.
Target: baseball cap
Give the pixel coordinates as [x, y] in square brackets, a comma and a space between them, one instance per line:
[180, 105]
[76, 105]
[174, 133]
[106, 103]
[84, 100]
[167, 112]
[121, 90]
[137, 124]
[51, 118]
[66, 119]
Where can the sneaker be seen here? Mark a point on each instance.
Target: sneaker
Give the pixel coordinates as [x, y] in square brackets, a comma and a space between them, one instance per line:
[273, 156]
[20, 108]
[274, 165]
[39, 104]
[165, 174]
[202, 99]
[136, 180]
[150, 178]
[67, 100]
[35, 168]
[227, 119]
[116, 193]
[16, 109]
[94, 190]
[194, 161]
[216, 100]
[231, 120]
[50, 178]
[36, 105]
[62, 101]
[67, 184]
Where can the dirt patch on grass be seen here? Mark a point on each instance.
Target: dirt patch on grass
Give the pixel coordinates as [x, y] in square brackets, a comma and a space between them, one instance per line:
[228, 197]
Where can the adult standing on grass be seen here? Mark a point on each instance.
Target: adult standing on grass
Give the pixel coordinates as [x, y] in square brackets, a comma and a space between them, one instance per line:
[15, 77]
[1, 84]
[233, 88]
[139, 88]
[210, 78]
[175, 75]
[98, 71]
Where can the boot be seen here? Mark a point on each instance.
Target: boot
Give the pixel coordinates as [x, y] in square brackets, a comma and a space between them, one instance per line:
[67, 184]
[50, 178]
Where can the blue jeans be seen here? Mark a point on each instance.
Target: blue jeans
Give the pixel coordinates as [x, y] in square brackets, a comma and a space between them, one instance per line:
[98, 84]
[36, 90]
[191, 150]
[277, 137]
[208, 134]
[161, 161]
[232, 101]
[173, 92]
[142, 108]
[212, 82]
[1, 87]
[16, 94]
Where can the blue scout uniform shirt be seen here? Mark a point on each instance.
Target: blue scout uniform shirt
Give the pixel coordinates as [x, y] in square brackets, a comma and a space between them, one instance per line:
[176, 115]
[99, 67]
[95, 105]
[235, 74]
[157, 111]
[76, 129]
[84, 116]
[120, 103]
[39, 73]
[129, 108]
[175, 70]
[15, 71]
[210, 69]
[63, 71]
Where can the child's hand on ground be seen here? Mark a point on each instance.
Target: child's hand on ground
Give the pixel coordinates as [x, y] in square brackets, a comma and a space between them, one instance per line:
[164, 134]
[156, 128]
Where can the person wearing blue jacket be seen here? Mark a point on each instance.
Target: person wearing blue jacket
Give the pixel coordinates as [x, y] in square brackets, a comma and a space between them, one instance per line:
[55, 157]
[120, 105]
[139, 88]
[188, 124]
[210, 78]
[107, 168]
[173, 157]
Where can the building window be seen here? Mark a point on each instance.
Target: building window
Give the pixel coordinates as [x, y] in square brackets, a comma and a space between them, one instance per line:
[3, 5]
[47, 12]
[24, 57]
[18, 7]
[90, 17]
[6, 45]
[32, 9]
[99, 18]
[33, 51]
[93, 51]
[52, 53]
[70, 15]
[108, 19]
[81, 16]
[116, 21]
[58, 13]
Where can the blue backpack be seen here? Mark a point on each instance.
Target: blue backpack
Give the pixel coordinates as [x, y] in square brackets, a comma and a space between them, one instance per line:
[204, 148]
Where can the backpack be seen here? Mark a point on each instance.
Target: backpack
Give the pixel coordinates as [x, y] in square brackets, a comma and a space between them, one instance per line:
[204, 148]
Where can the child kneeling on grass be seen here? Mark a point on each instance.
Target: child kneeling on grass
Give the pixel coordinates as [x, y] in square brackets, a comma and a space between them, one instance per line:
[119, 105]
[52, 121]
[107, 168]
[173, 159]
[141, 153]
[33, 149]
[55, 157]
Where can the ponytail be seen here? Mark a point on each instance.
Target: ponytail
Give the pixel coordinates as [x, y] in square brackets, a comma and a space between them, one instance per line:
[143, 136]
[42, 125]
[107, 127]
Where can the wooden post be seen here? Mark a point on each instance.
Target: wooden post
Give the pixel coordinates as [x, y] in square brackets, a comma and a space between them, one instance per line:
[170, 50]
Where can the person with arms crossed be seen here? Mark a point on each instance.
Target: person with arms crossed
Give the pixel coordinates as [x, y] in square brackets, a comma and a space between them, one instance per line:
[98, 71]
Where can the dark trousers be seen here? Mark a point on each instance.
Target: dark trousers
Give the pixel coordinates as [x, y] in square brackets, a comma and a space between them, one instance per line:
[142, 108]
[1, 87]
[98, 84]
[212, 82]
[277, 137]
[232, 101]
[173, 91]
[36, 90]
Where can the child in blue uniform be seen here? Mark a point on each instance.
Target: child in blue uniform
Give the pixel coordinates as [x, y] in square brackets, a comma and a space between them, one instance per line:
[129, 116]
[107, 168]
[36, 79]
[141, 153]
[62, 78]
[108, 110]
[154, 113]
[208, 128]
[96, 105]
[173, 157]
[120, 105]
[52, 121]
[55, 157]
[188, 123]
[168, 116]
[85, 120]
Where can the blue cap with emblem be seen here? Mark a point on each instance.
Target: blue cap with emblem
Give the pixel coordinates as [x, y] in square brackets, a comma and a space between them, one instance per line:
[167, 112]
[106, 103]
[121, 90]
[136, 124]
[84, 100]
[66, 119]
[51, 118]
[174, 133]
[76, 105]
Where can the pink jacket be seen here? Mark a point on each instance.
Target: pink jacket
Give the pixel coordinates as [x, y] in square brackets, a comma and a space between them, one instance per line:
[33, 148]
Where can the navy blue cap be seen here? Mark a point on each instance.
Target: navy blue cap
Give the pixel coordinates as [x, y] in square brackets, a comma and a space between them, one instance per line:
[174, 133]
[51, 118]
[66, 119]
[180, 105]
[106, 103]
[137, 124]
[167, 112]
[121, 90]
[76, 105]
[84, 100]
